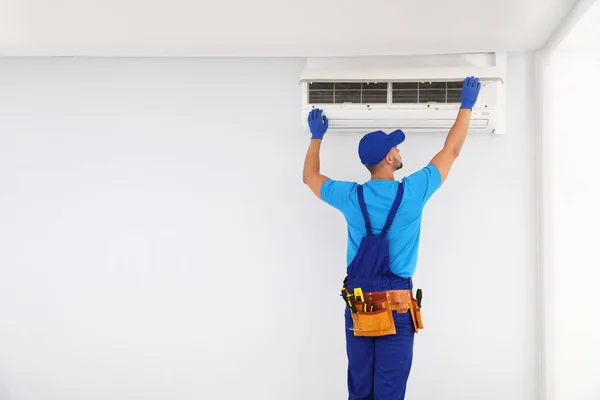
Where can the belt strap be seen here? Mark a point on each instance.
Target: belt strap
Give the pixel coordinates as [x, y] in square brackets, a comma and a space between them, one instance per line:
[394, 210]
[363, 208]
[391, 296]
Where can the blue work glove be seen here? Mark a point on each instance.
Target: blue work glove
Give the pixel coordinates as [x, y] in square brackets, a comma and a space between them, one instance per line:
[470, 91]
[317, 123]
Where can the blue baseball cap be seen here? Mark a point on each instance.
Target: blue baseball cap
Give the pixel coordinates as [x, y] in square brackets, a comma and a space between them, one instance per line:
[374, 146]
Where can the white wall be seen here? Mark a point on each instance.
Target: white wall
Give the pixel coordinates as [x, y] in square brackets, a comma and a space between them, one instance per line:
[571, 200]
[157, 241]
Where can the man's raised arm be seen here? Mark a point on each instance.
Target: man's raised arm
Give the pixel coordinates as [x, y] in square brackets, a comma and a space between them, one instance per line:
[312, 165]
[456, 137]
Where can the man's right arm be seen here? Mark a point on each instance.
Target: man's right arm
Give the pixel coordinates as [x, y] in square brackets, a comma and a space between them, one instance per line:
[458, 133]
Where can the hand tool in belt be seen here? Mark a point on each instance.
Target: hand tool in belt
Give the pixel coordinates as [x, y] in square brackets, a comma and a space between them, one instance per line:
[349, 300]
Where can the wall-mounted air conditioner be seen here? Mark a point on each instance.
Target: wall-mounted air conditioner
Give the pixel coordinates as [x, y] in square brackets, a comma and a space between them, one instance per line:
[418, 94]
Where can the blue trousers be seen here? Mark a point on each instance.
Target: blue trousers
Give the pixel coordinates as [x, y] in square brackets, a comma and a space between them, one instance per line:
[378, 367]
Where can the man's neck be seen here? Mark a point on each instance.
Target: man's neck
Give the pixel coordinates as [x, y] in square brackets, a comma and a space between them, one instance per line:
[387, 176]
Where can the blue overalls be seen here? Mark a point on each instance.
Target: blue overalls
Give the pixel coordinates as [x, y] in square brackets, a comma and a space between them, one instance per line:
[378, 367]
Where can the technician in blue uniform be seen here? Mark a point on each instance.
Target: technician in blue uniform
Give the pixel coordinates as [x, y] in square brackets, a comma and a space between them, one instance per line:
[384, 222]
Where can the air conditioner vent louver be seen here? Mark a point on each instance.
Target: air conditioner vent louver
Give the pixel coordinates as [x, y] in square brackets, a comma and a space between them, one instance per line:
[378, 93]
[348, 92]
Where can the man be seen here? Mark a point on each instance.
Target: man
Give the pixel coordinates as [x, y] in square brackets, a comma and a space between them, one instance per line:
[384, 219]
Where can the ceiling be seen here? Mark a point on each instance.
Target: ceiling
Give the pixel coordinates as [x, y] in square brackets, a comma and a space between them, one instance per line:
[274, 27]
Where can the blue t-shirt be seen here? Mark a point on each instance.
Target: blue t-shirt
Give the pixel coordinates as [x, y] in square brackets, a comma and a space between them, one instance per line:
[379, 195]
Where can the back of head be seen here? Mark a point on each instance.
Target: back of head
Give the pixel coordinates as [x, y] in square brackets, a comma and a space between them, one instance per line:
[378, 152]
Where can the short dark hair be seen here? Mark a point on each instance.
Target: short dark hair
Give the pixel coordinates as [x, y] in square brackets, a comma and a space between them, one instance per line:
[375, 167]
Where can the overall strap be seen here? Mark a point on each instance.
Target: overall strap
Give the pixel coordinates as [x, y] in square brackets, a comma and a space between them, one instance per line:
[363, 208]
[394, 209]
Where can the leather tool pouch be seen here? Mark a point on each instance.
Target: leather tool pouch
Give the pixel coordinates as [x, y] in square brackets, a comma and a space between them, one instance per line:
[415, 313]
[375, 323]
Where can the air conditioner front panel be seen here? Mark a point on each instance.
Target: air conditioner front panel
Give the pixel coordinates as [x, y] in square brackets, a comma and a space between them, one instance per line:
[433, 124]
[409, 127]
[361, 121]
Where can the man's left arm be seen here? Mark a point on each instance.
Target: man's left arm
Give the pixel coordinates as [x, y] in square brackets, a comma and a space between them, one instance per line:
[311, 176]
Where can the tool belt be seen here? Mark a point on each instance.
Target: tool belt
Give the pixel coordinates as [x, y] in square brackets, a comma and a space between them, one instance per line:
[372, 311]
